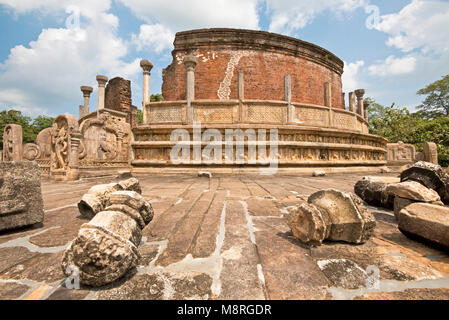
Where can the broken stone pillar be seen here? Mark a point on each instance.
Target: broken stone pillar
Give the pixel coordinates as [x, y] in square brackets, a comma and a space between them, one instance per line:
[373, 190]
[366, 105]
[102, 80]
[12, 143]
[146, 66]
[190, 63]
[426, 222]
[352, 101]
[429, 175]
[106, 247]
[97, 198]
[332, 215]
[360, 93]
[431, 152]
[86, 94]
[21, 201]
[343, 100]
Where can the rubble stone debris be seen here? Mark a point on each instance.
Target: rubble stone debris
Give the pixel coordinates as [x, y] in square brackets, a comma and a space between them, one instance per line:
[413, 190]
[106, 247]
[205, 174]
[426, 222]
[96, 199]
[331, 215]
[431, 176]
[124, 174]
[410, 192]
[373, 190]
[319, 173]
[21, 201]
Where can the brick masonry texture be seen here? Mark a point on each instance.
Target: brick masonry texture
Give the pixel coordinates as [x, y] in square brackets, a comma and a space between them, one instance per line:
[118, 95]
[264, 58]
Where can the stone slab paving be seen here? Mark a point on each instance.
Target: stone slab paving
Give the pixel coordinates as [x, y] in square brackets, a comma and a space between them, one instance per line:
[224, 238]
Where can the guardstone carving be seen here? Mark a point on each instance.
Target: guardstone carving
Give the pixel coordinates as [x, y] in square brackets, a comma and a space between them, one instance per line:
[12, 143]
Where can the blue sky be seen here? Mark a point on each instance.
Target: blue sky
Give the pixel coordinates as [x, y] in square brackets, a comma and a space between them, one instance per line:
[49, 48]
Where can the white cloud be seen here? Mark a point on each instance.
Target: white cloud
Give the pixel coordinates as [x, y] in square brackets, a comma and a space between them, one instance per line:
[47, 73]
[419, 25]
[154, 37]
[393, 66]
[179, 15]
[288, 16]
[88, 8]
[350, 76]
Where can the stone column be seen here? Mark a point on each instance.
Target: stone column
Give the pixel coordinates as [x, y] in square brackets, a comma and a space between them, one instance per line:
[73, 157]
[288, 98]
[366, 105]
[146, 66]
[241, 93]
[351, 101]
[360, 93]
[86, 94]
[101, 90]
[328, 101]
[190, 63]
[343, 100]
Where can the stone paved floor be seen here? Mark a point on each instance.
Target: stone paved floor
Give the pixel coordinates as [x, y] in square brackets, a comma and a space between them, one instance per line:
[224, 238]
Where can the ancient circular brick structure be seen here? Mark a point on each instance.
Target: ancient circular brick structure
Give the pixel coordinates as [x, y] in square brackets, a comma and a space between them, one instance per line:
[255, 83]
[264, 58]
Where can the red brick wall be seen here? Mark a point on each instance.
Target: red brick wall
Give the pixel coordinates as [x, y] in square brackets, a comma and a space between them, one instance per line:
[264, 76]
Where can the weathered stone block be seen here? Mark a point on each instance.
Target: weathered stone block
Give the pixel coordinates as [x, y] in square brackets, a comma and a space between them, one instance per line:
[427, 222]
[373, 190]
[431, 176]
[20, 195]
[413, 190]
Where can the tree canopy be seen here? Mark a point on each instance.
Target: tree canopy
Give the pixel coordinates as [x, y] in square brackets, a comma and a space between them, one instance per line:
[436, 103]
[30, 127]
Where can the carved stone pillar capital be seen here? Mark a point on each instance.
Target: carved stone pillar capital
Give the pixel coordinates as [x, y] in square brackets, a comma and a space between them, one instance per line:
[190, 62]
[146, 66]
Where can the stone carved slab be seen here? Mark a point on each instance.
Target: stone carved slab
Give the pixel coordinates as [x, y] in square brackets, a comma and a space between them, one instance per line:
[265, 114]
[312, 117]
[12, 143]
[401, 153]
[43, 140]
[343, 121]
[431, 152]
[165, 114]
[65, 142]
[213, 114]
[105, 138]
[20, 195]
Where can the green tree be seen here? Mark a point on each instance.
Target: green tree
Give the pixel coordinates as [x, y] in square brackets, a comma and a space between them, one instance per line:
[436, 103]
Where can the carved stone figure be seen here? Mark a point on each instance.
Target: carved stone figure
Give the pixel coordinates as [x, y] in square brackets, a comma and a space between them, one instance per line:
[106, 138]
[31, 151]
[65, 142]
[12, 143]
